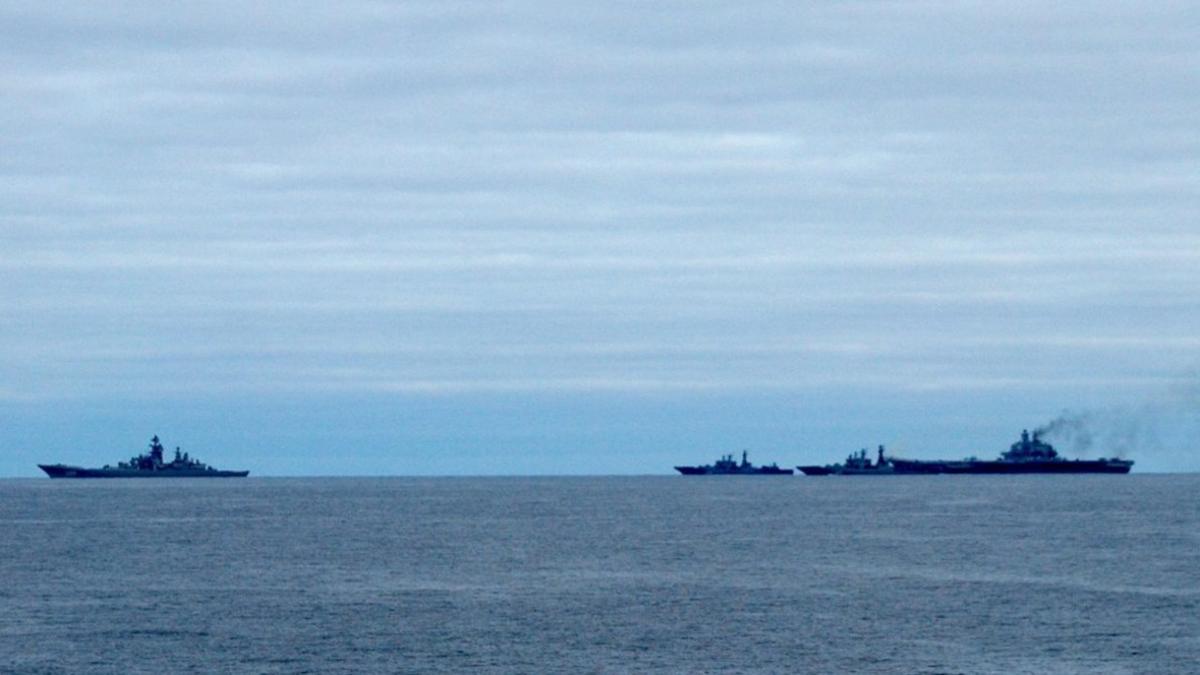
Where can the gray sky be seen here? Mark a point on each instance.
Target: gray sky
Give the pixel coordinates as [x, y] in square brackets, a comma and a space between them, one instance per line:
[365, 237]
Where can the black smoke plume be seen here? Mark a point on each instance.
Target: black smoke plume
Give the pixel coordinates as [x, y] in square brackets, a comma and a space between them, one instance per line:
[1172, 420]
[1166, 427]
[1073, 430]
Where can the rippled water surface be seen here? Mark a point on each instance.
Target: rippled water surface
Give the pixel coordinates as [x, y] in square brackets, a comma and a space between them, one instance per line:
[914, 574]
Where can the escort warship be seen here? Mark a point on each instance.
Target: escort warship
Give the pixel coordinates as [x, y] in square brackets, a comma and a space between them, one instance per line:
[1028, 455]
[148, 465]
[856, 464]
[727, 466]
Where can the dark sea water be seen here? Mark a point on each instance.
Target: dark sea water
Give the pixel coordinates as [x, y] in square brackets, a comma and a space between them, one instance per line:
[915, 574]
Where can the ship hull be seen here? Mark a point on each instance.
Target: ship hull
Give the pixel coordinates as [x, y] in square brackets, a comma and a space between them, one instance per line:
[1069, 466]
[910, 466]
[846, 471]
[707, 471]
[1002, 467]
[65, 471]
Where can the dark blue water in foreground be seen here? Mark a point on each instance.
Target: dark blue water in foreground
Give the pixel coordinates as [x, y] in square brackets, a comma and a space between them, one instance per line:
[921, 574]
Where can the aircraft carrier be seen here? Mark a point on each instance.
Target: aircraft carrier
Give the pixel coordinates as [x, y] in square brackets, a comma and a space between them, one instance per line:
[1028, 455]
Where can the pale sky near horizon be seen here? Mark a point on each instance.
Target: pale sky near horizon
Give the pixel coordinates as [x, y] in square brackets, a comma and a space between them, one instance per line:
[543, 237]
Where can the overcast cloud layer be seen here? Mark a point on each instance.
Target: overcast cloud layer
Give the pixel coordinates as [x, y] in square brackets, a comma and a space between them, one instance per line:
[990, 208]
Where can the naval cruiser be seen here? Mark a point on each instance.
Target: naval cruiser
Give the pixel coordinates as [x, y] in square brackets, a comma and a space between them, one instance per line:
[148, 465]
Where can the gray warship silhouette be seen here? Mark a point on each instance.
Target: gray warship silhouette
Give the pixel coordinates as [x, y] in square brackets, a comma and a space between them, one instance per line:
[727, 466]
[856, 464]
[149, 465]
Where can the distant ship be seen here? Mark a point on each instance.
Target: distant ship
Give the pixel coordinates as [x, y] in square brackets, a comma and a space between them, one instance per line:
[856, 464]
[727, 466]
[149, 465]
[1028, 455]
